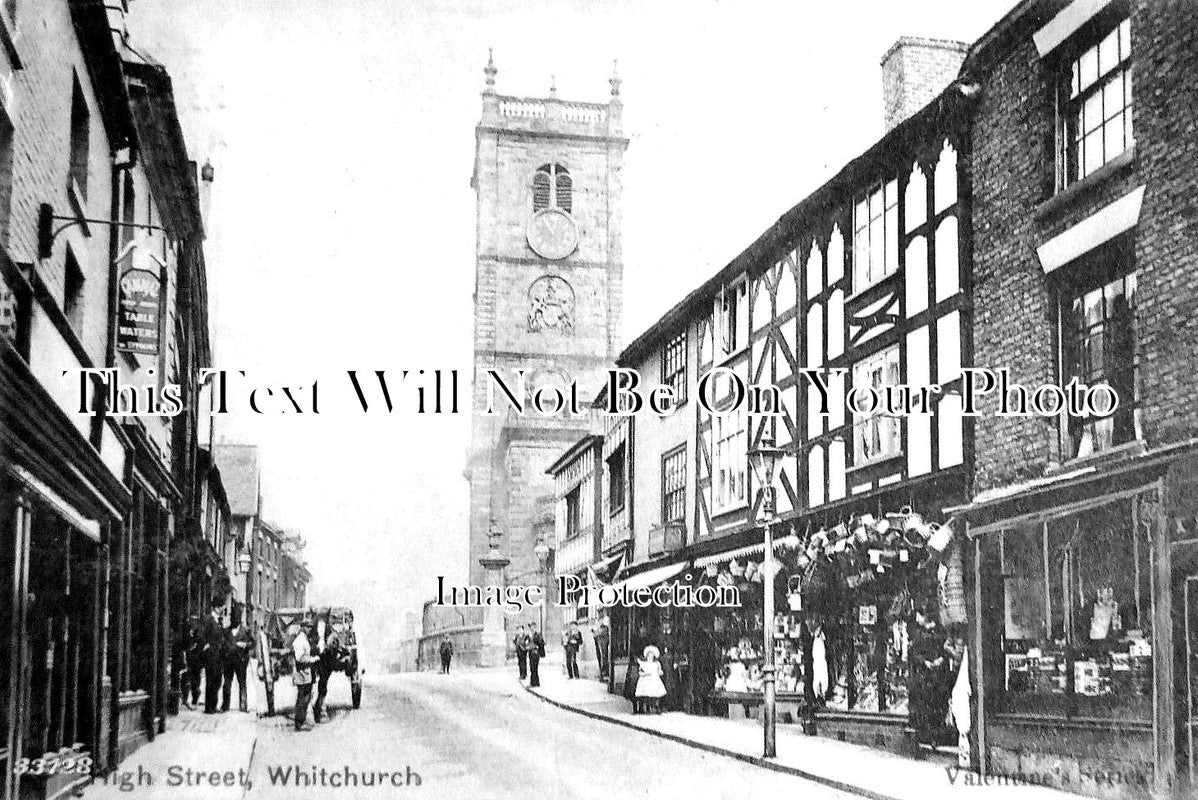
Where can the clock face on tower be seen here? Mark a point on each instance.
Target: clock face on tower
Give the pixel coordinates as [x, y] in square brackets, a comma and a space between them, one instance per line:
[552, 234]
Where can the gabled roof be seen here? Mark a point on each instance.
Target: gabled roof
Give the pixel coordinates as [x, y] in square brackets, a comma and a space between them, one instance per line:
[240, 473]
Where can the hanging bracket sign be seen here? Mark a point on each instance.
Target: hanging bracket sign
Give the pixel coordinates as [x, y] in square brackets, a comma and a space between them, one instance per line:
[139, 312]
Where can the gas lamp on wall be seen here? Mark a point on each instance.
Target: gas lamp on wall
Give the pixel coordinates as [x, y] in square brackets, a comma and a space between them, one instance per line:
[243, 562]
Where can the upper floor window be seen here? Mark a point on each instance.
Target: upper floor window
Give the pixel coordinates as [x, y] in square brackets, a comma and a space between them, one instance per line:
[72, 294]
[552, 187]
[616, 480]
[732, 318]
[729, 459]
[673, 367]
[1098, 345]
[1096, 104]
[673, 486]
[574, 512]
[80, 132]
[876, 435]
[875, 236]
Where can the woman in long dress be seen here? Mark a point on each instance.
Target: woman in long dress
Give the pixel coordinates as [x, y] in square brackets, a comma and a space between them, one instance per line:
[649, 686]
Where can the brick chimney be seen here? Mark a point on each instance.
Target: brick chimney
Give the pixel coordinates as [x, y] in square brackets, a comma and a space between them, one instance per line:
[914, 71]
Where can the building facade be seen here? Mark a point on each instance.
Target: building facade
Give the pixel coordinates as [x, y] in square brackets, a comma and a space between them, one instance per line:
[102, 269]
[1085, 213]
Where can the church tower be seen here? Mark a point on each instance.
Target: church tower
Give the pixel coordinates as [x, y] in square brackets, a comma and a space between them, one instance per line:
[547, 299]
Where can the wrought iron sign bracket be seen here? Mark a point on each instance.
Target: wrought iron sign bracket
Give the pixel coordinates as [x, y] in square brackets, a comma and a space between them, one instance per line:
[46, 234]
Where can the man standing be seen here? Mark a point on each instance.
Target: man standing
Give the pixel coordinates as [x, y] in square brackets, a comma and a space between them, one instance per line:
[330, 658]
[446, 653]
[602, 639]
[535, 647]
[212, 646]
[521, 643]
[301, 649]
[572, 643]
[241, 642]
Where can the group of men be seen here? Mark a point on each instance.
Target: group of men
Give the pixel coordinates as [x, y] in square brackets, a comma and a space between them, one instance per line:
[530, 649]
[220, 654]
[315, 661]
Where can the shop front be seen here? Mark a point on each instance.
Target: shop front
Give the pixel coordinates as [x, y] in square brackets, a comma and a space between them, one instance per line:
[1087, 586]
[869, 636]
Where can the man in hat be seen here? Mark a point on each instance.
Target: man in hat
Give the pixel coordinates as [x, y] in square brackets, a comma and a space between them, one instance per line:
[571, 643]
[301, 649]
[241, 643]
[212, 649]
[602, 639]
[446, 650]
[520, 640]
[535, 647]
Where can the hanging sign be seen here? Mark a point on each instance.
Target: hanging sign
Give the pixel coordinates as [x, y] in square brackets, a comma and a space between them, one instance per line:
[867, 615]
[138, 312]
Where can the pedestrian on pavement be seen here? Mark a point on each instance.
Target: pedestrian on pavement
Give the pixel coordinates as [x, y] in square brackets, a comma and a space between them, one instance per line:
[212, 648]
[602, 639]
[446, 653]
[572, 643]
[930, 681]
[649, 686]
[520, 640]
[301, 649]
[330, 659]
[535, 647]
[241, 642]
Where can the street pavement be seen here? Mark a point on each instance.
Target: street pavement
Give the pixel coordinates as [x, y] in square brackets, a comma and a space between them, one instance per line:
[482, 735]
[476, 735]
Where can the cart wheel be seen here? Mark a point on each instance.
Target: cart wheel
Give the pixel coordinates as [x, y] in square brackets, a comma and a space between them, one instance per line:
[270, 698]
[356, 693]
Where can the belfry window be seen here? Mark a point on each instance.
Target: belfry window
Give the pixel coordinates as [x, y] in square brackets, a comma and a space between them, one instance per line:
[552, 187]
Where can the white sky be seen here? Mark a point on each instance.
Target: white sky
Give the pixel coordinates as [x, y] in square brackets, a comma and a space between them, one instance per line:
[342, 237]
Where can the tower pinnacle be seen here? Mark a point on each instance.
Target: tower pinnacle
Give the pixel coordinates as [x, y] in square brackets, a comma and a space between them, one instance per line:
[490, 70]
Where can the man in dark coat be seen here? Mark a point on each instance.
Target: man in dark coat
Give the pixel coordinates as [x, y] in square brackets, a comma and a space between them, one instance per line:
[240, 643]
[572, 643]
[520, 641]
[194, 659]
[446, 650]
[212, 649]
[535, 647]
[329, 662]
[602, 640]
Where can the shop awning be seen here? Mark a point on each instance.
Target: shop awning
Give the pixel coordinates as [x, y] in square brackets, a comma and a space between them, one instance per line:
[652, 577]
[88, 527]
[788, 542]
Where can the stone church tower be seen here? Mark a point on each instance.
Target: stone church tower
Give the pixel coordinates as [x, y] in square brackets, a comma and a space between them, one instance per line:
[547, 299]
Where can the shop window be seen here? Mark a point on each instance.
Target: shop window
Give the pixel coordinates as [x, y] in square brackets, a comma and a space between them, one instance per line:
[729, 460]
[1077, 614]
[673, 487]
[1095, 102]
[552, 187]
[875, 236]
[876, 435]
[617, 483]
[1098, 343]
[673, 367]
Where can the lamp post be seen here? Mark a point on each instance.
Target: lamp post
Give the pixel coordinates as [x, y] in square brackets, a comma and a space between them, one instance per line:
[542, 553]
[764, 459]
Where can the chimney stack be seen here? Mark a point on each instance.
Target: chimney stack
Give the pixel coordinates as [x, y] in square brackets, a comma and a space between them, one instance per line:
[914, 71]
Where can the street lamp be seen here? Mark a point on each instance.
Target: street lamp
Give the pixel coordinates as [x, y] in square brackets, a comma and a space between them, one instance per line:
[243, 562]
[542, 553]
[764, 459]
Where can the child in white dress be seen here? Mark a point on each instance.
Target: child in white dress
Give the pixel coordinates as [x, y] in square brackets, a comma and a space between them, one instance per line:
[649, 686]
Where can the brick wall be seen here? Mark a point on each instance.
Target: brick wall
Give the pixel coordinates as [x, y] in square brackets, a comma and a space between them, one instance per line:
[40, 113]
[1012, 164]
[914, 71]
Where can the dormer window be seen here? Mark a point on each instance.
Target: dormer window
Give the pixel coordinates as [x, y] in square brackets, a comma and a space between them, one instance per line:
[552, 187]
